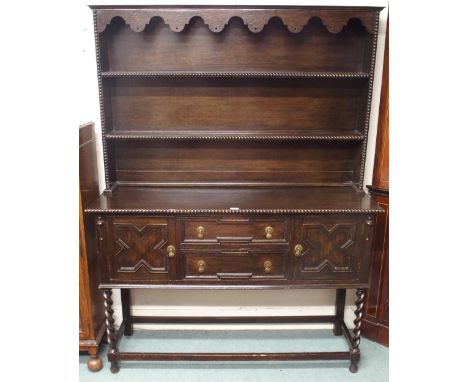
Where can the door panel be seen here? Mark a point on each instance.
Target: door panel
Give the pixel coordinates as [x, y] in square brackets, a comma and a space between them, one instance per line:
[332, 248]
[137, 248]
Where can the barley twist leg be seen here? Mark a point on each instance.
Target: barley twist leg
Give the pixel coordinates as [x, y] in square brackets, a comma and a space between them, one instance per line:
[113, 351]
[355, 353]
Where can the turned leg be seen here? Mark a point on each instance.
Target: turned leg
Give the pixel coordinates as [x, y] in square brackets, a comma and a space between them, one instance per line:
[355, 353]
[113, 351]
[125, 297]
[339, 311]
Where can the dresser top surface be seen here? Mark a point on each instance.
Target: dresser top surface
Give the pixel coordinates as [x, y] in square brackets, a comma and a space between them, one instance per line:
[342, 199]
[234, 7]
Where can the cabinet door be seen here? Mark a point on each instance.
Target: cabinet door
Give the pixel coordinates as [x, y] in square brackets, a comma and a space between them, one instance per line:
[332, 248]
[137, 248]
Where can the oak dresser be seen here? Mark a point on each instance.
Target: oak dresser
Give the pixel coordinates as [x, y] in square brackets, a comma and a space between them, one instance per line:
[234, 144]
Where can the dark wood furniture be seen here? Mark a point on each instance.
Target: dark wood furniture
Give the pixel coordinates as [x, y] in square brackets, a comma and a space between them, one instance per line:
[92, 318]
[234, 147]
[375, 324]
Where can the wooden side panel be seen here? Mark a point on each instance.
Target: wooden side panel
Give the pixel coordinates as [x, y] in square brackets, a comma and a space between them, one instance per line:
[86, 322]
[235, 48]
[90, 301]
[381, 179]
[384, 314]
[376, 312]
[89, 183]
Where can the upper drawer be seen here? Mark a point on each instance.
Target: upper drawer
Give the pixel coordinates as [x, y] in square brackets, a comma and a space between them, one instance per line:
[229, 229]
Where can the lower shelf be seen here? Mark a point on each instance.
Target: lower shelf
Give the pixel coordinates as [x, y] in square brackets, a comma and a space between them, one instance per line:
[311, 356]
[340, 328]
[231, 320]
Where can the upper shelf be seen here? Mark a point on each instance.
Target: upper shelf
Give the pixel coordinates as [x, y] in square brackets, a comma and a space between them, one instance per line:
[236, 74]
[210, 135]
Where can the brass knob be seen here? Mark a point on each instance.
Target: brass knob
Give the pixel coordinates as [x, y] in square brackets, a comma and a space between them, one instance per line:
[200, 232]
[269, 232]
[201, 266]
[298, 250]
[267, 265]
[170, 251]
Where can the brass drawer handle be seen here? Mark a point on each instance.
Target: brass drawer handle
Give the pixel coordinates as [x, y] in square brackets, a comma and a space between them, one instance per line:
[298, 250]
[200, 232]
[170, 251]
[201, 266]
[267, 265]
[269, 232]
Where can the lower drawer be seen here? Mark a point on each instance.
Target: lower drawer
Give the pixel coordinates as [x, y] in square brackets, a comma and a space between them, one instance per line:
[235, 265]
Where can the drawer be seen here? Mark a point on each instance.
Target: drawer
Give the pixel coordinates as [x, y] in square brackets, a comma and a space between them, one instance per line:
[235, 264]
[234, 229]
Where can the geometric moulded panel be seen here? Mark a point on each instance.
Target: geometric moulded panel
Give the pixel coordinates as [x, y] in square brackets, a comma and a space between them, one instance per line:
[328, 247]
[139, 248]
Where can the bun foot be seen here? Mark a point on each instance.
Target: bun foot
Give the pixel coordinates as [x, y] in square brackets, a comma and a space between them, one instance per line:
[353, 368]
[94, 363]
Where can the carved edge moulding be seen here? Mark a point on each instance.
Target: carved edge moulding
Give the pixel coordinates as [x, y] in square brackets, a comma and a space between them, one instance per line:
[255, 19]
[354, 137]
[233, 211]
[191, 74]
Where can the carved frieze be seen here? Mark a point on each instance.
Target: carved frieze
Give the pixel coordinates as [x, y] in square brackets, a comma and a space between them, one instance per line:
[254, 19]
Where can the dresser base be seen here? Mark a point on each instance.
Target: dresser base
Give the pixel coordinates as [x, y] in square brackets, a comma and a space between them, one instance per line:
[339, 328]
